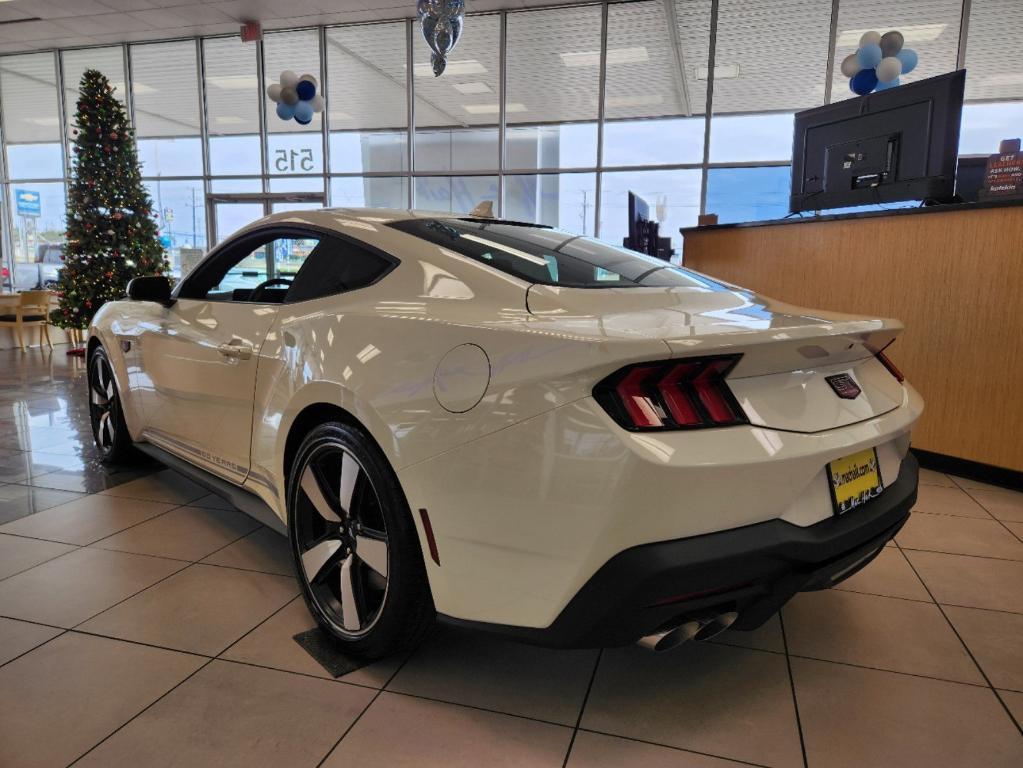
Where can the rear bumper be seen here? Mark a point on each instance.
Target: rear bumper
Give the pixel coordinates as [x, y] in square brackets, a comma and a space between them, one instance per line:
[754, 570]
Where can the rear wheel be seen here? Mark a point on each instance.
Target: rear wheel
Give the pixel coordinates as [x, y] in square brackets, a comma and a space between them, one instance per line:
[355, 546]
[108, 427]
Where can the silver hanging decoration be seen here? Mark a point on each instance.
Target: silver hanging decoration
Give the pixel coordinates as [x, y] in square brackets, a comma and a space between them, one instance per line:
[441, 23]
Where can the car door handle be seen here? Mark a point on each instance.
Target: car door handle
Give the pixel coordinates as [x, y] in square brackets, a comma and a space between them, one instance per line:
[239, 351]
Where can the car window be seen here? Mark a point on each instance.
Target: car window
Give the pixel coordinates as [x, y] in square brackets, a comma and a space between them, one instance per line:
[243, 275]
[337, 266]
[548, 256]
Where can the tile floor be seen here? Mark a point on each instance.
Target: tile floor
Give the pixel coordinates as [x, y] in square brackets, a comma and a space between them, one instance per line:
[145, 622]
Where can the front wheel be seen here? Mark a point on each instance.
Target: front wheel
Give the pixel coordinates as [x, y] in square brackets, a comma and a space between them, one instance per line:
[108, 427]
[356, 549]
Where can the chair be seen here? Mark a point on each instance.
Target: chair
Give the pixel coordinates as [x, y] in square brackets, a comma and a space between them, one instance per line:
[33, 308]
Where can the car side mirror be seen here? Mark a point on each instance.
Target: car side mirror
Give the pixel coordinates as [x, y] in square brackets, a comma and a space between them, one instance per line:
[151, 288]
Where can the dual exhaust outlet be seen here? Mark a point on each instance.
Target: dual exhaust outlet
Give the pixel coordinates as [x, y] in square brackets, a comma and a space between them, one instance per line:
[702, 627]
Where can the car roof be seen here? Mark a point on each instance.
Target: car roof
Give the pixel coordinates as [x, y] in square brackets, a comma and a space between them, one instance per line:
[328, 217]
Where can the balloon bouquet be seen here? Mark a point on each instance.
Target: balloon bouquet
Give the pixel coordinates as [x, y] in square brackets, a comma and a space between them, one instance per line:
[878, 62]
[296, 97]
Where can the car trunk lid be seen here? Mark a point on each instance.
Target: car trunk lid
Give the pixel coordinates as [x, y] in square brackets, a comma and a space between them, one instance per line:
[790, 355]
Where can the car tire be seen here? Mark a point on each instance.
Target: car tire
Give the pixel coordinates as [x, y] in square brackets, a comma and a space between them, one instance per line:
[109, 429]
[355, 545]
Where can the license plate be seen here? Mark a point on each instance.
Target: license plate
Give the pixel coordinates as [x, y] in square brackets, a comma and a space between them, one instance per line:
[855, 479]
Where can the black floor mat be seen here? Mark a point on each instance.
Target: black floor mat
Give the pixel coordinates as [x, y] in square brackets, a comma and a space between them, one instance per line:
[321, 647]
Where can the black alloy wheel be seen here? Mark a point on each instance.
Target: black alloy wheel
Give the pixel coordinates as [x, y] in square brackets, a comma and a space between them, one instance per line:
[356, 550]
[108, 427]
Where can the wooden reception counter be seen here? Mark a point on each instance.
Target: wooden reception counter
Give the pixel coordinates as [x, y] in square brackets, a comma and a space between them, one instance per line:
[953, 275]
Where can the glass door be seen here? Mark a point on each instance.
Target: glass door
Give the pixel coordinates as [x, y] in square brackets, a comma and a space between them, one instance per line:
[231, 212]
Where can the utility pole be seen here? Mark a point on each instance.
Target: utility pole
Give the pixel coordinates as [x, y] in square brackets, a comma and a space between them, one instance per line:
[586, 206]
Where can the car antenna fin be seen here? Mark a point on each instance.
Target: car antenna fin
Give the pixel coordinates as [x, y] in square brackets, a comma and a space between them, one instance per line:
[484, 210]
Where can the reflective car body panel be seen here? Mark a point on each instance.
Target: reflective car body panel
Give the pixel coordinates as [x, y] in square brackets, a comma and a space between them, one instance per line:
[534, 487]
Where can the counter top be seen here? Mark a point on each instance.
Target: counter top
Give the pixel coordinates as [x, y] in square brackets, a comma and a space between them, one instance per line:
[795, 219]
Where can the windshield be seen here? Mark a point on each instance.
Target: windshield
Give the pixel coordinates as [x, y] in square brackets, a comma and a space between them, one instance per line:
[548, 256]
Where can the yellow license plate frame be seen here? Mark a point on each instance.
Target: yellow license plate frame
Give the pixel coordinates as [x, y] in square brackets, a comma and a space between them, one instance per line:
[854, 480]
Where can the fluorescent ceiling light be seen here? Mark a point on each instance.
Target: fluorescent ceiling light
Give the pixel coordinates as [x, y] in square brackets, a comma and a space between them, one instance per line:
[469, 88]
[460, 67]
[493, 109]
[137, 88]
[228, 120]
[233, 82]
[634, 55]
[44, 121]
[338, 115]
[913, 33]
[721, 72]
[639, 100]
[1004, 78]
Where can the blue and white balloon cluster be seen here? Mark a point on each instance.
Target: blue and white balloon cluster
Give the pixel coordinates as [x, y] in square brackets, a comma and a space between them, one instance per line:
[296, 97]
[878, 62]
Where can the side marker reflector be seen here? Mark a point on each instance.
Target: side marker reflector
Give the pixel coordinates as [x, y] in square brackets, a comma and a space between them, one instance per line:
[430, 540]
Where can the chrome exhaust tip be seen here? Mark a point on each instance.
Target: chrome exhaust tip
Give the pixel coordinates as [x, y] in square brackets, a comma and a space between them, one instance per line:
[671, 638]
[698, 628]
[716, 625]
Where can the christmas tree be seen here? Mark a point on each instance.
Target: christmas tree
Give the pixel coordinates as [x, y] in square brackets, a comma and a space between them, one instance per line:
[111, 234]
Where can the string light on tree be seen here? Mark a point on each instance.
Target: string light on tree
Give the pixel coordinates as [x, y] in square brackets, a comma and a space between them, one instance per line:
[111, 234]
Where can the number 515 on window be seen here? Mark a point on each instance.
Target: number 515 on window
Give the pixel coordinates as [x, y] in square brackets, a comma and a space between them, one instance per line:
[293, 160]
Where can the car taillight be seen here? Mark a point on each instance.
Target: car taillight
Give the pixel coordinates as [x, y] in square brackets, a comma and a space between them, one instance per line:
[883, 358]
[690, 393]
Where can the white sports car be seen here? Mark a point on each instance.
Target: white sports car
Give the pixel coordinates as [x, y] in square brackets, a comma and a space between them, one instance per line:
[512, 427]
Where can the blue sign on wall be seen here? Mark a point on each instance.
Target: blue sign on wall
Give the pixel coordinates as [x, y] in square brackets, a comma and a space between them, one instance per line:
[27, 202]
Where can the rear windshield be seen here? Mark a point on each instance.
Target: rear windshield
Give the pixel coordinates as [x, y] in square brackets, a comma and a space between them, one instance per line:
[540, 254]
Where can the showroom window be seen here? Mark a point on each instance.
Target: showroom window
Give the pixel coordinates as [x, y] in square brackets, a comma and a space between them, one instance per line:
[553, 86]
[34, 160]
[654, 98]
[749, 194]
[457, 114]
[589, 114]
[292, 148]
[367, 98]
[165, 94]
[673, 197]
[232, 106]
[930, 27]
[166, 109]
[564, 200]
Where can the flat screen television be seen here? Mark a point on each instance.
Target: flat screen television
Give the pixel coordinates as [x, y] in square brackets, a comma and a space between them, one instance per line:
[897, 144]
[644, 235]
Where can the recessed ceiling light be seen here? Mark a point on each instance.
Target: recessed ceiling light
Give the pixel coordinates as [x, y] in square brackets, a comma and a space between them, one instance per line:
[461, 67]
[912, 33]
[493, 109]
[469, 88]
[233, 82]
[634, 55]
[721, 72]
